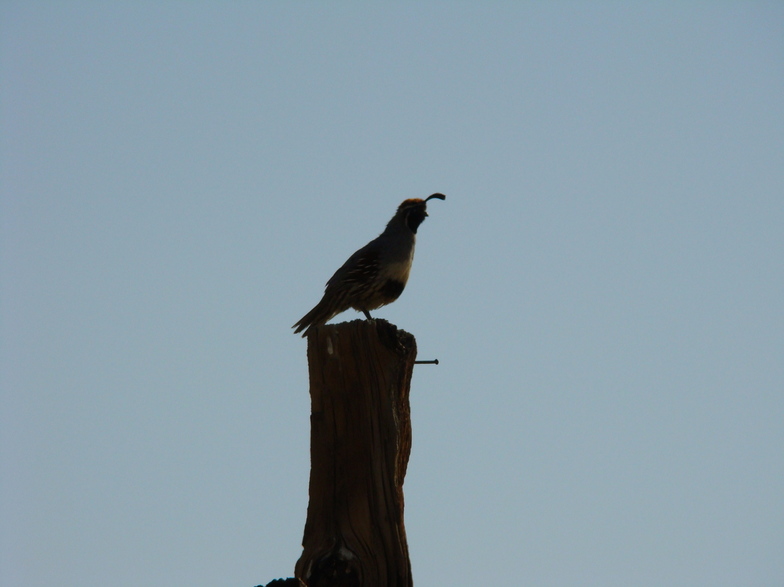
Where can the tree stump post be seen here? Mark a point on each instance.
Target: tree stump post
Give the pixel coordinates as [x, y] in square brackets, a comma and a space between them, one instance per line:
[360, 441]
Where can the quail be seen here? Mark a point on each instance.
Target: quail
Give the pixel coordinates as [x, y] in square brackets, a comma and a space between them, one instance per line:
[377, 273]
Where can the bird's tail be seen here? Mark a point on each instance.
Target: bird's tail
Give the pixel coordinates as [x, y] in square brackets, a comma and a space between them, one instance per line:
[324, 311]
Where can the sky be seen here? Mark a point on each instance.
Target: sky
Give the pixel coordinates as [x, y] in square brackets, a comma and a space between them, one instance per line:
[603, 285]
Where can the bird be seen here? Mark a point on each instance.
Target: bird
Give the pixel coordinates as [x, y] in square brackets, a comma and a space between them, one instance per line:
[376, 274]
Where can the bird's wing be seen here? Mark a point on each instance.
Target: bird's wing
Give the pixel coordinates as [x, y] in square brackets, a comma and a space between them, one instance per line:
[361, 267]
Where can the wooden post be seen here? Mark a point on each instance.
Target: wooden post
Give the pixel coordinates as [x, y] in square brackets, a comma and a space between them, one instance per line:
[360, 441]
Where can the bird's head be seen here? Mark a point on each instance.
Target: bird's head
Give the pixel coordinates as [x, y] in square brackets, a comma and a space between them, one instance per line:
[414, 211]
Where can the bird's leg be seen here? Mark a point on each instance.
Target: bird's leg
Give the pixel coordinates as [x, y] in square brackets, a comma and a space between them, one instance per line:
[367, 314]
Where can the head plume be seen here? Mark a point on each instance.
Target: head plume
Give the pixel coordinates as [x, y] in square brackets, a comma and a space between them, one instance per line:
[414, 210]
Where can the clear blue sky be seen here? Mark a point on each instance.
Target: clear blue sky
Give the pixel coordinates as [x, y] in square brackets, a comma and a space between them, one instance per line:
[604, 285]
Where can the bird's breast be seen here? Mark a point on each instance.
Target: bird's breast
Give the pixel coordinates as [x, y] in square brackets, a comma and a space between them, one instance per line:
[398, 270]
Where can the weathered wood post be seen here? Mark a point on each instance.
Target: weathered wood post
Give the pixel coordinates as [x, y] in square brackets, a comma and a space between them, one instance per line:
[360, 441]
